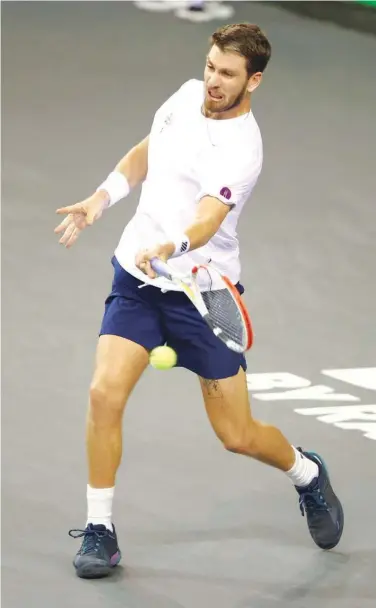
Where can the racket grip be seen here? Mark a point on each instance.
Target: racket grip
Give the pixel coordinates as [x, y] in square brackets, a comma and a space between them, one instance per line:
[161, 268]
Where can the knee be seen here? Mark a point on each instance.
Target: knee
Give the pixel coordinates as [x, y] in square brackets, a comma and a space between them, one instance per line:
[241, 441]
[107, 399]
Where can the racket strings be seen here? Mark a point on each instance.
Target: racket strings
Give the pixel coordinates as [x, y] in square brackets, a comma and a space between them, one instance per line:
[225, 315]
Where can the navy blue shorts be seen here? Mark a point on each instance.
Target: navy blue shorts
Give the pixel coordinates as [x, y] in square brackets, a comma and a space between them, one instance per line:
[152, 318]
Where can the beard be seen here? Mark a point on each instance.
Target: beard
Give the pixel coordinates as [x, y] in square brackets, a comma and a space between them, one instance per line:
[224, 105]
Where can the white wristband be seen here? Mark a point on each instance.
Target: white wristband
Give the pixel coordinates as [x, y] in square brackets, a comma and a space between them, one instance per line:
[182, 245]
[117, 187]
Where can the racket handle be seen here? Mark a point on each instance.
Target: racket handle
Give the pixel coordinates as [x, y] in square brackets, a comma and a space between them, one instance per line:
[161, 268]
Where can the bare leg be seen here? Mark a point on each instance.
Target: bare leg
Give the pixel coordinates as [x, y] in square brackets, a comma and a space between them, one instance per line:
[228, 408]
[119, 365]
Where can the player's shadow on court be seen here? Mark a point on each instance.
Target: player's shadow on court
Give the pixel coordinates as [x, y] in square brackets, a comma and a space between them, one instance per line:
[123, 588]
[324, 576]
[249, 531]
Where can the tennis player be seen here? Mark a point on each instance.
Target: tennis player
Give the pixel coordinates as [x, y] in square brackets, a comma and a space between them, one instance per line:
[198, 167]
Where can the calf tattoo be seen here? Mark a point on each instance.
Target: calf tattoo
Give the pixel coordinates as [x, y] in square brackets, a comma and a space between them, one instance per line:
[213, 389]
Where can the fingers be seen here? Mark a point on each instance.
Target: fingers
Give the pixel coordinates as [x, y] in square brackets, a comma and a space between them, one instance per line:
[68, 220]
[76, 219]
[77, 208]
[149, 271]
[162, 252]
[69, 232]
[79, 216]
[73, 238]
[143, 263]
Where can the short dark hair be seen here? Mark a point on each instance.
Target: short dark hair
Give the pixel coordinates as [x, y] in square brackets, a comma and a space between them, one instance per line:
[247, 40]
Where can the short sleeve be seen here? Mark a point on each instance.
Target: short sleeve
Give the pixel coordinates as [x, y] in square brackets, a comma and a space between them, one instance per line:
[165, 112]
[230, 177]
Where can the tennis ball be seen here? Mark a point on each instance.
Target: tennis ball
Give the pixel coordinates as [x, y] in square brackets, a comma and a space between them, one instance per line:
[163, 357]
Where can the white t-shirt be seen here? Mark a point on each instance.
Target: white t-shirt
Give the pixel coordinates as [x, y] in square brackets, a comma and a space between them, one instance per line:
[191, 156]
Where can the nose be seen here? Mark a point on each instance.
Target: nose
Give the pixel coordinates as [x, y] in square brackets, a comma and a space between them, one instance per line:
[213, 81]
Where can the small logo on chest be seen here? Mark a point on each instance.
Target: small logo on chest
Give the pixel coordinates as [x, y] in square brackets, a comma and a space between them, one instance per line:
[167, 122]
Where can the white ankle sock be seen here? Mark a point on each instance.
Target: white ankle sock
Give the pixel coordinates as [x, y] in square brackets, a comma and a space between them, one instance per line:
[99, 506]
[303, 471]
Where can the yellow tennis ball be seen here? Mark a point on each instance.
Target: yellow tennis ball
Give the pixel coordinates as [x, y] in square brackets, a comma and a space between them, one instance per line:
[163, 357]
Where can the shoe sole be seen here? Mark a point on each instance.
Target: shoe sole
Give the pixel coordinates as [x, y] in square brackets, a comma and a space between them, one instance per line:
[341, 517]
[95, 569]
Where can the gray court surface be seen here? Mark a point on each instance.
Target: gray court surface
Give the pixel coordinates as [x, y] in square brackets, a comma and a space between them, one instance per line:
[198, 527]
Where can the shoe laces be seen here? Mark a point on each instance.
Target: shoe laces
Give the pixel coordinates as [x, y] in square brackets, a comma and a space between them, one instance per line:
[92, 538]
[312, 501]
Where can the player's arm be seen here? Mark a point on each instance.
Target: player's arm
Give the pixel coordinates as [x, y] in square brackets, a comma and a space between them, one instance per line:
[128, 173]
[134, 165]
[225, 184]
[215, 203]
[210, 214]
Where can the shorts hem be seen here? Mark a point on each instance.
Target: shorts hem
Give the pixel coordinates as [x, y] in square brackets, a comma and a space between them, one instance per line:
[211, 375]
[149, 347]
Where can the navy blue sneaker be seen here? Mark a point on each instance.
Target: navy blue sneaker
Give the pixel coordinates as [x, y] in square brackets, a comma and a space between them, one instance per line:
[99, 551]
[322, 507]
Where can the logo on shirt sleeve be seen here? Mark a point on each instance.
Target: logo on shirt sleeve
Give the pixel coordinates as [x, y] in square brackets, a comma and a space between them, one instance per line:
[226, 193]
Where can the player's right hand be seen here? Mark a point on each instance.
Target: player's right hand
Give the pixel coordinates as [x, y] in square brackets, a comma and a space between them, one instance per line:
[79, 216]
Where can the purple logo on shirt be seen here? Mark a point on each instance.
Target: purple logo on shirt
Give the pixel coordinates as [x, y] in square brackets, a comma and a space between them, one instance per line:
[226, 193]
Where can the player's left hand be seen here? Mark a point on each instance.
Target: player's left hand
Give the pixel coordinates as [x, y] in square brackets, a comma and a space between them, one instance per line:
[163, 252]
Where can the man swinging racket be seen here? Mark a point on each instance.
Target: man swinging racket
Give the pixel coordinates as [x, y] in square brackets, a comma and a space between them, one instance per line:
[198, 167]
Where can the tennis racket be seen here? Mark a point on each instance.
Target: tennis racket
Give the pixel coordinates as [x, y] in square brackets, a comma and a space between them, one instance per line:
[222, 308]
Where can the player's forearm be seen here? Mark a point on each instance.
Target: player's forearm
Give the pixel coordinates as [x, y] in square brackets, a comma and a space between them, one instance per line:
[134, 165]
[128, 173]
[201, 231]
[209, 217]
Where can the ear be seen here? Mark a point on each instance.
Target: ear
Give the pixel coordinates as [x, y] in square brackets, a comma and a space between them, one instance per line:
[254, 82]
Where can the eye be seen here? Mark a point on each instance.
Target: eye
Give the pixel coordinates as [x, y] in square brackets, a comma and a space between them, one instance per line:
[210, 66]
